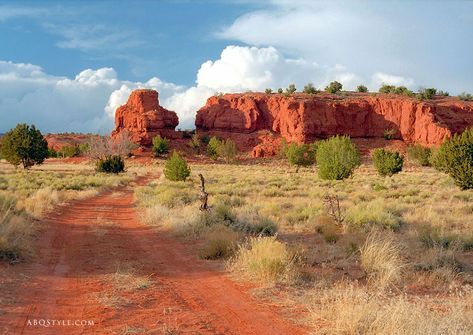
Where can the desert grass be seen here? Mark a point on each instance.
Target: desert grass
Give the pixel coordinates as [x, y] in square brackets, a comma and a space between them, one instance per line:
[265, 259]
[219, 242]
[407, 238]
[381, 259]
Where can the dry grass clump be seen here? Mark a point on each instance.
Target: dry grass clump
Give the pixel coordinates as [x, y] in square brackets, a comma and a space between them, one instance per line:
[219, 242]
[374, 213]
[347, 309]
[42, 201]
[16, 232]
[265, 259]
[381, 259]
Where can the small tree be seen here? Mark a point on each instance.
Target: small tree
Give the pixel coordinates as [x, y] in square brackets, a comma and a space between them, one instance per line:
[402, 90]
[122, 145]
[24, 145]
[337, 158]
[420, 154]
[387, 163]
[310, 89]
[195, 142]
[291, 89]
[160, 146]
[280, 90]
[465, 96]
[362, 88]
[455, 157]
[176, 168]
[387, 89]
[212, 147]
[227, 150]
[427, 93]
[300, 155]
[268, 91]
[334, 87]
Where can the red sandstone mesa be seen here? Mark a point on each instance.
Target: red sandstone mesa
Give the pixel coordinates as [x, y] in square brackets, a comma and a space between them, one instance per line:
[304, 117]
[144, 118]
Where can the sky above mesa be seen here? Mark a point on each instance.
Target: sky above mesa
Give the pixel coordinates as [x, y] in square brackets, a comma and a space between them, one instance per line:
[67, 65]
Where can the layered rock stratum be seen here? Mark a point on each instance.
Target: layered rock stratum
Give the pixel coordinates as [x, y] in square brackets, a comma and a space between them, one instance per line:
[143, 118]
[263, 118]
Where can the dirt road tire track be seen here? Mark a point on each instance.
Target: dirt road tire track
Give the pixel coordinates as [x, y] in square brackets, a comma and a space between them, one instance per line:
[80, 249]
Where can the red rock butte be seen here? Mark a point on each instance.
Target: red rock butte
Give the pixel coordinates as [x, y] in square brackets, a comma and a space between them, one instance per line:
[144, 118]
[261, 119]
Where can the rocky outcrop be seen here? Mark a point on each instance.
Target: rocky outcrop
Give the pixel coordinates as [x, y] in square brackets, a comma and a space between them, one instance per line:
[304, 117]
[143, 118]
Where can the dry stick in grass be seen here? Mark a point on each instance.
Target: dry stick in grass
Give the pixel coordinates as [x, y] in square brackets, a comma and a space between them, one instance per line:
[332, 204]
[203, 195]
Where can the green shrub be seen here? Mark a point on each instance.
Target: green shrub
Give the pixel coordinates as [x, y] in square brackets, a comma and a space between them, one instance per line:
[195, 143]
[362, 88]
[387, 163]
[387, 89]
[212, 147]
[112, 164]
[176, 168]
[420, 154]
[388, 134]
[456, 155]
[402, 90]
[465, 96]
[291, 89]
[160, 146]
[268, 91]
[24, 145]
[427, 93]
[334, 87]
[337, 158]
[438, 159]
[299, 154]
[227, 150]
[52, 153]
[310, 89]
[443, 93]
[280, 90]
[69, 151]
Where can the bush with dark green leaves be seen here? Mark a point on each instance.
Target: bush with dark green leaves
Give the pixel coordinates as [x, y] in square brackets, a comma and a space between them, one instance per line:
[24, 145]
[69, 151]
[419, 154]
[310, 89]
[291, 89]
[362, 88]
[465, 96]
[280, 90]
[334, 87]
[160, 146]
[387, 163]
[427, 93]
[337, 158]
[176, 168]
[111, 164]
[300, 154]
[402, 90]
[387, 89]
[455, 157]
[268, 91]
[212, 147]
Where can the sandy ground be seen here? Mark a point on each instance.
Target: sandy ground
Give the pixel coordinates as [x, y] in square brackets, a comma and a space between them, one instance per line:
[97, 263]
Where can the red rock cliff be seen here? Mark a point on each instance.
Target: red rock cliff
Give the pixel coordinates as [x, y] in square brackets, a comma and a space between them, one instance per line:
[303, 117]
[144, 118]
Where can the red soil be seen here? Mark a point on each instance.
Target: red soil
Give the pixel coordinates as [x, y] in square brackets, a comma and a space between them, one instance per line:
[78, 254]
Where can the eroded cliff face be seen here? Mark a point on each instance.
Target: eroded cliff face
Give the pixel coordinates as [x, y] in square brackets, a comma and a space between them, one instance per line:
[304, 117]
[143, 118]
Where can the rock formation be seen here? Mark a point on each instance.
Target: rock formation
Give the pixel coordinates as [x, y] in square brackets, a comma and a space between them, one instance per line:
[144, 118]
[304, 117]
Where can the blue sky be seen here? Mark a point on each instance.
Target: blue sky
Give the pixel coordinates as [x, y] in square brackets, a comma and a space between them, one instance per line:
[67, 65]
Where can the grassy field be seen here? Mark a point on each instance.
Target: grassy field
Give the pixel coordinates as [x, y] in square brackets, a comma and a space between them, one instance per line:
[368, 255]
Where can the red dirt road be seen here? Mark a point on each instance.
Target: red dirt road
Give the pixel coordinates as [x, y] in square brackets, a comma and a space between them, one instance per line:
[98, 264]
